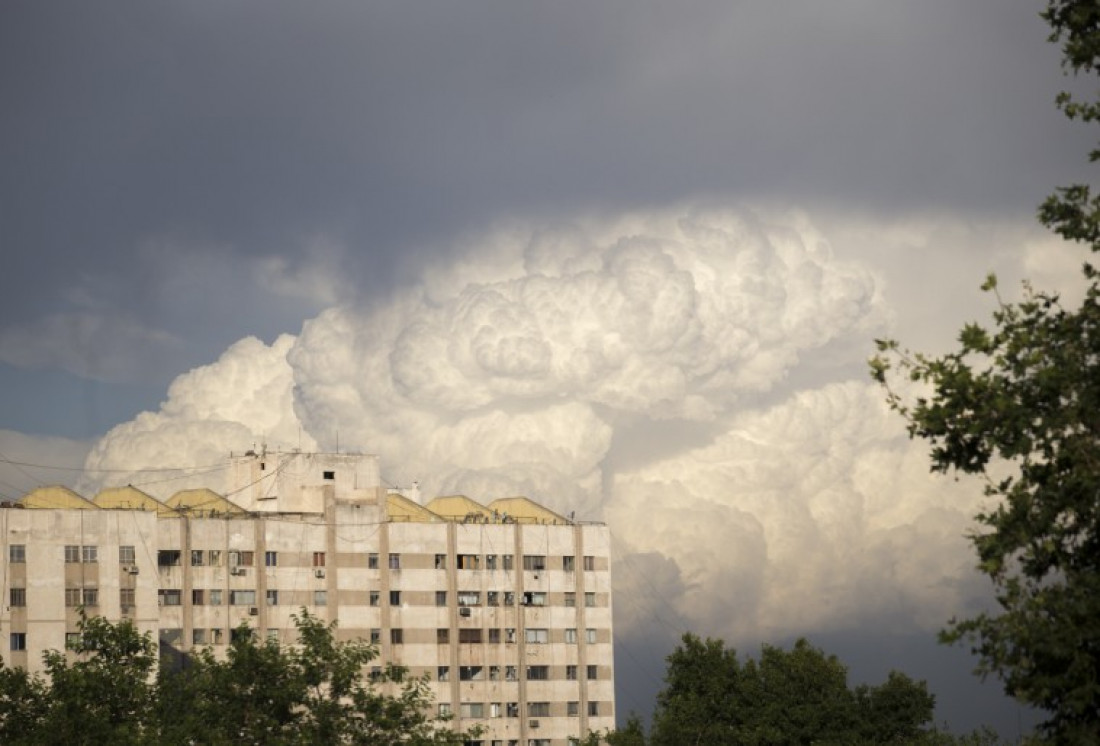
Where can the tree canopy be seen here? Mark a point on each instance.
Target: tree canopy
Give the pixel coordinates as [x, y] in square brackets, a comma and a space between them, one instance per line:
[107, 689]
[1018, 403]
[791, 696]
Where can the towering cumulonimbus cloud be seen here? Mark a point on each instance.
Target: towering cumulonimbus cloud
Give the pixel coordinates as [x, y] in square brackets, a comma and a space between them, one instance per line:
[647, 369]
[240, 401]
[662, 317]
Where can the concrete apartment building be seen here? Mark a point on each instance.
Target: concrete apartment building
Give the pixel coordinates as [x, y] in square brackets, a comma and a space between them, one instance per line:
[506, 606]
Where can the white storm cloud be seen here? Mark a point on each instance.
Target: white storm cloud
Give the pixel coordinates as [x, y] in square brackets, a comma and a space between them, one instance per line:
[243, 399]
[816, 513]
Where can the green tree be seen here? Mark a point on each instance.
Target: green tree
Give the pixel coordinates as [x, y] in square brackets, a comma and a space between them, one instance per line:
[313, 692]
[102, 690]
[23, 705]
[796, 696]
[1017, 403]
[106, 689]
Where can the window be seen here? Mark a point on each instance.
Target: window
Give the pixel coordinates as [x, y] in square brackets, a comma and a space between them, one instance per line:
[198, 637]
[512, 709]
[372, 561]
[538, 673]
[320, 598]
[91, 597]
[573, 709]
[395, 561]
[397, 636]
[510, 634]
[197, 557]
[72, 553]
[126, 555]
[442, 635]
[509, 598]
[492, 598]
[506, 561]
[490, 562]
[472, 709]
[242, 598]
[318, 559]
[441, 598]
[375, 598]
[241, 634]
[469, 636]
[90, 554]
[215, 597]
[469, 598]
[534, 598]
[329, 475]
[17, 597]
[395, 598]
[468, 562]
[570, 599]
[171, 635]
[538, 709]
[165, 557]
[471, 673]
[441, 562]
[444, 710]
[127, 598]
[273, 635]
[569, 563]
[571, 673]
[443, 673]
[590, 599]
[170, 596]
[571, 635]
[495, 710]
[593, 709]
[272, 597]
[590, 636]
[214, 557]
[494, 673]
[218, 636]
[592, 672]
[17, 641]
[17, 554]
[73, 597]
[271, 559]
[241, 559]
[534, 562]
[510, 673]
[589, 562]
[494, 636]
[197, 597]
[536, 635]
[375, 635]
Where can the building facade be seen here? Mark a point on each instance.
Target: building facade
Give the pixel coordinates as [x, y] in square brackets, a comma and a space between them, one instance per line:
[505, 606]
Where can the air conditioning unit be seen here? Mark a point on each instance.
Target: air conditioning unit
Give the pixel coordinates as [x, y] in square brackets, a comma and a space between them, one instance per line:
[238, 571]
[319, 572]
[532, 723]
[464, 611]
[132, 569]
[253, 611]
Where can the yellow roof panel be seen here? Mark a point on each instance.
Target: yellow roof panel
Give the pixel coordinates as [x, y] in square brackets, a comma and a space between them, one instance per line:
[56, 496]
[131, 498]
[458, 508]
[203, 501]
[401, 508]
[525, 510]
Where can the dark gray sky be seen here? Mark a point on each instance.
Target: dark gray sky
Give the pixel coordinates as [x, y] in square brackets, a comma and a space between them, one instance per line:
[176, 176]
